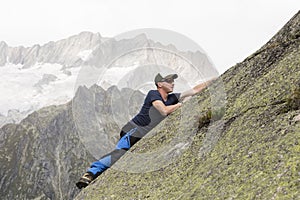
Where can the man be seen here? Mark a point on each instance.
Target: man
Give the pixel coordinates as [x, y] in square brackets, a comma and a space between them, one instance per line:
[157, 105]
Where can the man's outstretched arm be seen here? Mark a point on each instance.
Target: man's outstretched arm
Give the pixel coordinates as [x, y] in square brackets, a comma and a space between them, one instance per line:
[195, 90]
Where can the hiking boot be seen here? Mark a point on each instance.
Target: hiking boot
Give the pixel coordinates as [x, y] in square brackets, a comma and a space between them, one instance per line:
[85, 180]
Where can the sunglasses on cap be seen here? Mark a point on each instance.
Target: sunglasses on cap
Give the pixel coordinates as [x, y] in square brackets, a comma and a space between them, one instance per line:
[169, 80]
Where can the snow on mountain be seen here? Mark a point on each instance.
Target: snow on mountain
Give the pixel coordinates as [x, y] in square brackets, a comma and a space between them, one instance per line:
[112, 76]
[38, 76]
[26, 89]
[84, 55]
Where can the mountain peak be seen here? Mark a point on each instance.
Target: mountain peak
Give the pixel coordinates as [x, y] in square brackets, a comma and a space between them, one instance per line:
[64, 52]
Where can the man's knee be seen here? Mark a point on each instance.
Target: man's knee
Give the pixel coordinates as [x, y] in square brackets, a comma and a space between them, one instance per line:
[122, 133]
[129, 139]
[117, 154]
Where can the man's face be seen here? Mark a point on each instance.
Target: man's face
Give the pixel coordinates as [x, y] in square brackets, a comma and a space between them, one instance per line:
[168, 85]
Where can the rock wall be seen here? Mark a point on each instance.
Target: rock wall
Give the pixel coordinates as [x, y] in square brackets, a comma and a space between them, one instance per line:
[249, 150]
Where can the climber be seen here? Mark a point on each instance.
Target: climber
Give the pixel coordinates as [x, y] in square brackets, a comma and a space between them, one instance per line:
[157, 105]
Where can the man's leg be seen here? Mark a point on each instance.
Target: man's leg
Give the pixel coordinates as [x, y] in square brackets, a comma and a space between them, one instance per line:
[105, 162]
[99, 166]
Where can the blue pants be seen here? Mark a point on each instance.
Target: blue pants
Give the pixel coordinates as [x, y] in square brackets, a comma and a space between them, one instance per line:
[125, 143]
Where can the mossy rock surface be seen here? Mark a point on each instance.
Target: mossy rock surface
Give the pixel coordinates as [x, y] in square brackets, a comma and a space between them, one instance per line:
[254, 152]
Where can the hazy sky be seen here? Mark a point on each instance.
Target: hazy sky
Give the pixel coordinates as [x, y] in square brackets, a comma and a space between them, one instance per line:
[228, 30]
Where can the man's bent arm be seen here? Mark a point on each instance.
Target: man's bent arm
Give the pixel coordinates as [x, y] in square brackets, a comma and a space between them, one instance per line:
[163, 109]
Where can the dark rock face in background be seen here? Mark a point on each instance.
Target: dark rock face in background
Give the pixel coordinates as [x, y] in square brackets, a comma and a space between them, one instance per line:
[44, 155]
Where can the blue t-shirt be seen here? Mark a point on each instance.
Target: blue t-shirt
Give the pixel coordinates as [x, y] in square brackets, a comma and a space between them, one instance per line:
[148, 115]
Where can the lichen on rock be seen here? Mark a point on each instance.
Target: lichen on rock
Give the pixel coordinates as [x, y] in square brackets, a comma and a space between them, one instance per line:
[256, 153]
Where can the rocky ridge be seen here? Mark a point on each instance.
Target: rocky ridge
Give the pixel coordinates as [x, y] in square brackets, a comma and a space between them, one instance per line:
[65, 62]
[64, 51]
